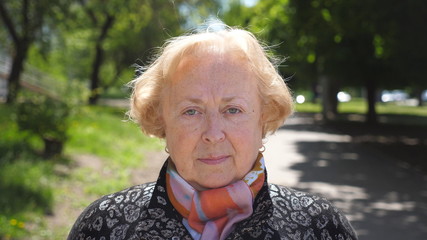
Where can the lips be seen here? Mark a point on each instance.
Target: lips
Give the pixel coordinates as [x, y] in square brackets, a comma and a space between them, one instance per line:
[214, 160]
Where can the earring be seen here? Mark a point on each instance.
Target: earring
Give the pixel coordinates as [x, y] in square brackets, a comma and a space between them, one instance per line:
[166, 149]
[262, 149]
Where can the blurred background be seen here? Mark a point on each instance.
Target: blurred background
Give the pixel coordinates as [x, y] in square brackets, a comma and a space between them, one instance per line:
[357, 66]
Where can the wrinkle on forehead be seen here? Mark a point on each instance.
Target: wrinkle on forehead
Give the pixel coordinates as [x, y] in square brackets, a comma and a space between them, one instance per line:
[213, 64]
[216, 61]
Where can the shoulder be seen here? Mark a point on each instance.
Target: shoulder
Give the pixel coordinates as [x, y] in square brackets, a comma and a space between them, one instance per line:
[113, 213]
[306, 215]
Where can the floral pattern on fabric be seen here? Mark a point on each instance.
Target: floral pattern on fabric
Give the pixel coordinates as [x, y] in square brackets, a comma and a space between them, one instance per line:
[145, 212]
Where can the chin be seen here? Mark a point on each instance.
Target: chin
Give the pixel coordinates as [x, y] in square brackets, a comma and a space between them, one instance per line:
[214, 184]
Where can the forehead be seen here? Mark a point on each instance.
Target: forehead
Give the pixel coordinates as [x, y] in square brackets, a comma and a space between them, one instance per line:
[216, 75]
[212, 65]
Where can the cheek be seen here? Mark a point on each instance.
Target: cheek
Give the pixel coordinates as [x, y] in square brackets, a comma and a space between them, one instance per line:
[181, 141]
[248, 139]
[172, 137]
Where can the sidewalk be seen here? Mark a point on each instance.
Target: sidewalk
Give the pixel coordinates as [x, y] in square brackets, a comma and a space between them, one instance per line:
[383, 197]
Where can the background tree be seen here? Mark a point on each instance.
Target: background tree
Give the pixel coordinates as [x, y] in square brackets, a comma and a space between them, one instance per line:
[346, 43]
[26, 22]
[102, 16]
[118, 34]
[408, 48]
[137, 37]
[195, 12]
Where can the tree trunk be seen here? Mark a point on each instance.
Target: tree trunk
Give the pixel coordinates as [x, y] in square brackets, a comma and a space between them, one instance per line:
[371, 90]
[94, 78]
[419, 96]
[97, 61]
[52, 147]
[315, 90]
[16, 70]
[329, 98]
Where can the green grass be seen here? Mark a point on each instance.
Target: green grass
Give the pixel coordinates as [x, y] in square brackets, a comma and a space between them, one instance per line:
[31, 186]
[354, 106]
[402, 110]
[394, 112]
[105, 132]
[308, 107]
[24, 178]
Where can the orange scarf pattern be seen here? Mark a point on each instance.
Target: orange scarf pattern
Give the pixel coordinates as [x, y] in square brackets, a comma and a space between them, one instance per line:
[213, 212]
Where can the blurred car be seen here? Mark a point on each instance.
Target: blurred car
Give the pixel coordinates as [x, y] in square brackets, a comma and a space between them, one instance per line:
[394, 96]
[343, 97]
[300, 99]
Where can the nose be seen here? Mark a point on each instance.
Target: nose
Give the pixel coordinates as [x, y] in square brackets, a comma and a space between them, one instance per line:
[214, 130]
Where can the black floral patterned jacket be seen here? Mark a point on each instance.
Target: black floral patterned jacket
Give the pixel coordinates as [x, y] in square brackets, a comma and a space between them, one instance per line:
[144, 212]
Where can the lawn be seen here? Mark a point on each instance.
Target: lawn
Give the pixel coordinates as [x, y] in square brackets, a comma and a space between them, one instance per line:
[32, 187]
[392, 112]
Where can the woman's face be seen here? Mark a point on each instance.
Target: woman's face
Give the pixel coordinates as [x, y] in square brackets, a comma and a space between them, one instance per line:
[211, 111]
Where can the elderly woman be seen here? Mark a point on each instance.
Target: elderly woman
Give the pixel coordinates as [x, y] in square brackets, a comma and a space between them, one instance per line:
[213, 97]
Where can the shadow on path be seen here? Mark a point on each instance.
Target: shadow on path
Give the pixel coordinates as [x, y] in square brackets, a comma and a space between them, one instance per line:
[379, 196]
[383, 196]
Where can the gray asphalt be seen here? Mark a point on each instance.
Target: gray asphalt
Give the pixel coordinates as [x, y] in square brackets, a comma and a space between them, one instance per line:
[383, 197]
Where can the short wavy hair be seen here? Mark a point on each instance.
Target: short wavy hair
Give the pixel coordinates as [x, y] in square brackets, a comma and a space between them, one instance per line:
[146, 96]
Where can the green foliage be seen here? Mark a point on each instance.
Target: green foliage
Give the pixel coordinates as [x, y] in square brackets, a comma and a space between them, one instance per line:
[103, 132]
[25, 180]
[193, 13]
[26, 23]
[46, 114]
[339, 44]
[71, 40]
[29, 19]
[237, 14]
[43, 116]
[351, 40]
[46, 118]
[275, 23]
[94, 128]
[25, 187]
[12, 228]
[104, 39]
[31, 186]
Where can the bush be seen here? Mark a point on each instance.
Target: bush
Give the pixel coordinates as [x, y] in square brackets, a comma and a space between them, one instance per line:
[48, 119]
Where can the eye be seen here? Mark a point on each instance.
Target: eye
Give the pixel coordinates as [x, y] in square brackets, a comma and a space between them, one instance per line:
[191, 112]
[233, 110]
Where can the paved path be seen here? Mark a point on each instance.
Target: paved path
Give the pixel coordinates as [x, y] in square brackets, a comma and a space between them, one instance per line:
[382, 197]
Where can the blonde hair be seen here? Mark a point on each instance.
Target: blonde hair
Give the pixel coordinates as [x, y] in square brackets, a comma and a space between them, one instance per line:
[147, 88]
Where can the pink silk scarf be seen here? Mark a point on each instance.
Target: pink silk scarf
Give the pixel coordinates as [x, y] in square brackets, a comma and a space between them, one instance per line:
[213, 213]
